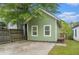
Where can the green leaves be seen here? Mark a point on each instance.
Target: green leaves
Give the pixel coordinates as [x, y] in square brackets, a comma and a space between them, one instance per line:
[20, 12]
[65, 28]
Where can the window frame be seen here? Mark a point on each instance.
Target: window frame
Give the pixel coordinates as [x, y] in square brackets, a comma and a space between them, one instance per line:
[32, 30]
[75, 32]
[49, 30]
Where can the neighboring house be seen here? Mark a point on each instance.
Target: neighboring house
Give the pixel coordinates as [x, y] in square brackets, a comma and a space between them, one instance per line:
[9, 26]
[12, 26]
[43, 28]
[76, 32]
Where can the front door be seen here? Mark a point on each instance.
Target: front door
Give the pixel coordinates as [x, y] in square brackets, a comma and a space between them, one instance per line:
[26, 32]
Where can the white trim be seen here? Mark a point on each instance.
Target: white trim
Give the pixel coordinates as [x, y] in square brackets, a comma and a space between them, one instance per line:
[32, 30]
[49, 14]
[28, 20]
[49, 30]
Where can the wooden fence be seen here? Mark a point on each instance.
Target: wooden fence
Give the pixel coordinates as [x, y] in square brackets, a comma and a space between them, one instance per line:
[10, 35]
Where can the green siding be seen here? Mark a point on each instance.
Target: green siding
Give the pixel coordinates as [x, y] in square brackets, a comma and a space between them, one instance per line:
[41, 21]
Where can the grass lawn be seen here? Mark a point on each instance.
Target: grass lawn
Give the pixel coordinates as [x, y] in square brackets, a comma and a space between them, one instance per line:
[72, 48]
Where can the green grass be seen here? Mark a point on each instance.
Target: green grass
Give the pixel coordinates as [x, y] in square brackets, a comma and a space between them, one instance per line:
[72, 48]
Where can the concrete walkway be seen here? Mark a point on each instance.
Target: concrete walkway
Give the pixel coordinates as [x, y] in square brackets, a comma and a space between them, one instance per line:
[26, 48]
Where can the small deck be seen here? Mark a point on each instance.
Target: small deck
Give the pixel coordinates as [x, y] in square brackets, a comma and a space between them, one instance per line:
[61, 38]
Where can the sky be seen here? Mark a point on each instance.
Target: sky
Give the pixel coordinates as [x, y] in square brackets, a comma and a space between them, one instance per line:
[69, 12]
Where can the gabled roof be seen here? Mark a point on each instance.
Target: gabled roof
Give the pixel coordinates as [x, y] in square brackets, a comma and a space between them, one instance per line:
[46, 12]
[53, 16]
[76, 26]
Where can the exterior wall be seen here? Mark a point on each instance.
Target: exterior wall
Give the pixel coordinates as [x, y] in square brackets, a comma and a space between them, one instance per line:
[76, 38]
[41, 21]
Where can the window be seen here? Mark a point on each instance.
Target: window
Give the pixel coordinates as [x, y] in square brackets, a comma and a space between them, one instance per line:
[34, 30]
[47, 30]
[75, 33]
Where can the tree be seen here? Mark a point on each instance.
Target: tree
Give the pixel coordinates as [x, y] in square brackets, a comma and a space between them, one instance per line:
[65, 28]
[72, 24]
[20, 12]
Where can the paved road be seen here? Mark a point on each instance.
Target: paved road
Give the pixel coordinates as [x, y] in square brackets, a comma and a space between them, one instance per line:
[26, 48]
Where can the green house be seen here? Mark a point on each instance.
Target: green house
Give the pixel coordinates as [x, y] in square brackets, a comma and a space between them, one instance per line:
[43, 28]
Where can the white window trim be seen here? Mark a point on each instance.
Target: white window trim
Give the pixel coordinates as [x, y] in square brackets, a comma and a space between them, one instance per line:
[50, 30]
[32, 30]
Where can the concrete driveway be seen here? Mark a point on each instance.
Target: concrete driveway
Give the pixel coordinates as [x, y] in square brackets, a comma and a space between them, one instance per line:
[26, 48]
